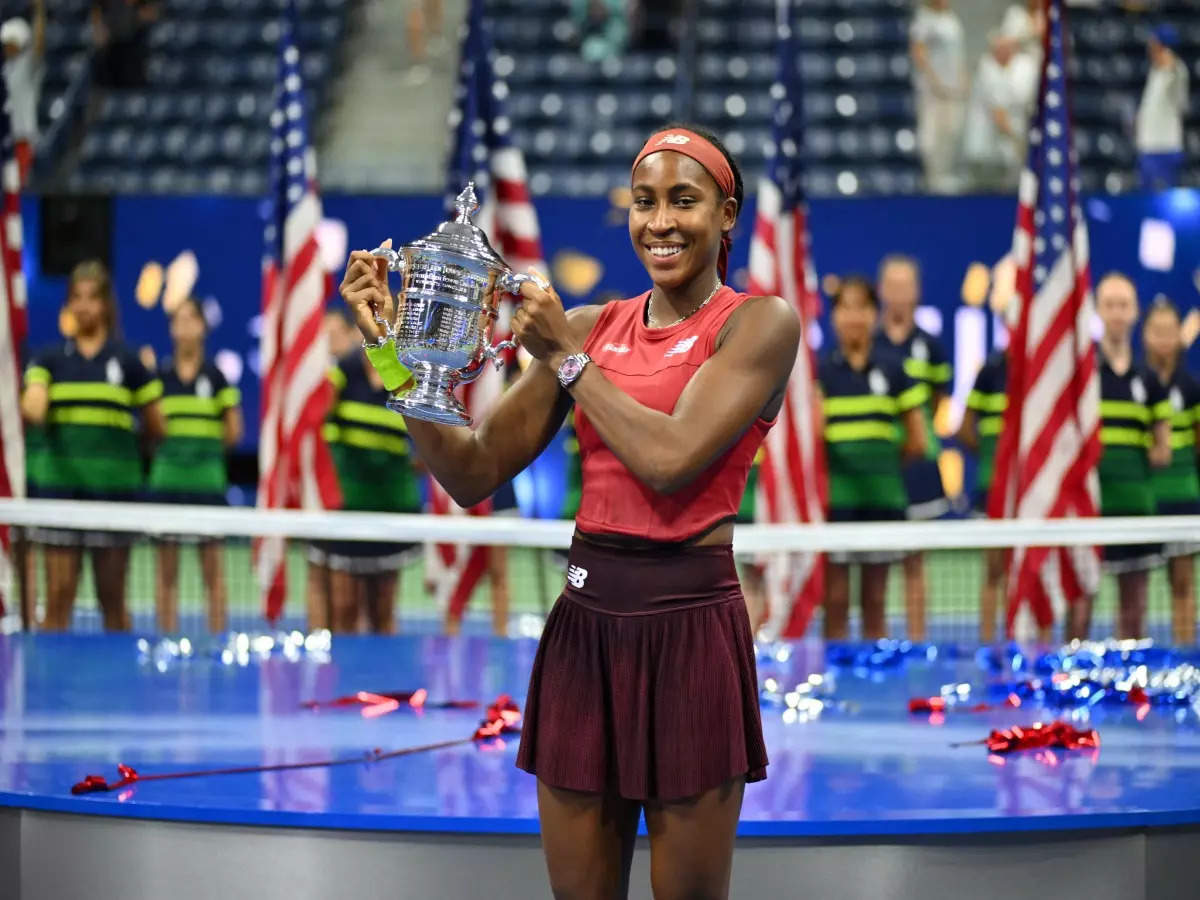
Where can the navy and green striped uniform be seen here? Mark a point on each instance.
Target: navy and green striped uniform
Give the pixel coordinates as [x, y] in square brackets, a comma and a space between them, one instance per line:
[189, 464]
[925, 361]
[91, 445]
[1177, 485]
[369, 444]
[864, 433]
[988, 400]
[1130, 404]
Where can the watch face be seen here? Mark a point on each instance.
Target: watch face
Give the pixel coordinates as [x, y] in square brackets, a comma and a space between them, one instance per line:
[570, 369]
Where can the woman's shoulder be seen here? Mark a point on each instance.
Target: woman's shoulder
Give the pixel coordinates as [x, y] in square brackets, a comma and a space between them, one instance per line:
[584, 319]
[764, 310]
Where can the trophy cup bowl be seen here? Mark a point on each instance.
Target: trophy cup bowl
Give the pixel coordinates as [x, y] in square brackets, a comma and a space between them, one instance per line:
[444, 313]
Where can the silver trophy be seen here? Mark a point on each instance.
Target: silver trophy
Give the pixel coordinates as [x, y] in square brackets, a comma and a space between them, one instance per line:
[445, 311]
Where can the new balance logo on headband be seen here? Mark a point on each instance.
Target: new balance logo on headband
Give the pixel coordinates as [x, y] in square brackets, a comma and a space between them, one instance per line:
[576, 576]
[673, 139]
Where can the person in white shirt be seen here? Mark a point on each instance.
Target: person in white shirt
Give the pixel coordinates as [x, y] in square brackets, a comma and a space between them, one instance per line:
[1025, 23]
[1164, 103]
[998, 116]
[936, 39]
[24, 48]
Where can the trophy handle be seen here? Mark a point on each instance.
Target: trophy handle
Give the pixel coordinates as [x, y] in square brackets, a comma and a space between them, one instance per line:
[394, 259]
[510, 282]
[395, 263]
[493, 353]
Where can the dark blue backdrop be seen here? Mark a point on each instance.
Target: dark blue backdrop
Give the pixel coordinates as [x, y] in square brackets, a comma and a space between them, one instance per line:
[946, 234]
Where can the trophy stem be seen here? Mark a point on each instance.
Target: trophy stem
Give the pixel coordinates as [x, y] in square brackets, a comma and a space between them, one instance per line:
[432, 396]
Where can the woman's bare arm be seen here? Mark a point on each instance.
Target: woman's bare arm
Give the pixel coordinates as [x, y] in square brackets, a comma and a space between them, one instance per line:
[471, 464]
[914, 435]
[154, 421]
[232, 426]
[968, 431]
[35, 403]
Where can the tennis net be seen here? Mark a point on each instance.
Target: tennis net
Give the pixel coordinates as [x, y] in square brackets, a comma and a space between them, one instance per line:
[525, 569]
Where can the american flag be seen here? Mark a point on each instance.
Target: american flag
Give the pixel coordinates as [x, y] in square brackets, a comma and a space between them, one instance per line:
[295, 469]
[13, 328]
[1047, 453]
[482, 151]
[793, 482]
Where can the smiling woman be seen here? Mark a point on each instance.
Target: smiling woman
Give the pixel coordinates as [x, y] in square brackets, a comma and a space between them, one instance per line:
[643, 694]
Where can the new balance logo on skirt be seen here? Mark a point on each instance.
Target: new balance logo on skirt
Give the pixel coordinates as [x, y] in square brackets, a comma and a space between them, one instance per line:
[682, 346]
[576, 576]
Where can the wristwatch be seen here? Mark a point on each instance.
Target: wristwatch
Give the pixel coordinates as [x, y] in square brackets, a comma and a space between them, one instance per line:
[571, 368]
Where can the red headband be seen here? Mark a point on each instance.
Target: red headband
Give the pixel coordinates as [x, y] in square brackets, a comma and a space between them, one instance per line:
[690, 144]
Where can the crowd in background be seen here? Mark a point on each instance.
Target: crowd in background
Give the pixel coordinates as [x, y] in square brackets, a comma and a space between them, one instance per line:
[971, 130]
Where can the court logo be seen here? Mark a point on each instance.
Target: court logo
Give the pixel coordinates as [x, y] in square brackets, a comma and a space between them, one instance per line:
[113, 373]
[673, 139]
[615, 348]
[683, 346]
[576, 576]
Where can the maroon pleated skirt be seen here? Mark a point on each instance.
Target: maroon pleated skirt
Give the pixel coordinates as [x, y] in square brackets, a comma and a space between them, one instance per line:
[644, 682]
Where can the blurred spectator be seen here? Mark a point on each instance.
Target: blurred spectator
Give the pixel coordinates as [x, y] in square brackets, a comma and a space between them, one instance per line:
[1160, 115]
[603, 27]
[998, 116]
[342, 332]
[424, 27]
[24, 49]
[941, 85]
[1025, 24]
[119, 34]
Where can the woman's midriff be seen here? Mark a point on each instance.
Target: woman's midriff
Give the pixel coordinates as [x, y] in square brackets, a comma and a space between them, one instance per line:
[715, 537]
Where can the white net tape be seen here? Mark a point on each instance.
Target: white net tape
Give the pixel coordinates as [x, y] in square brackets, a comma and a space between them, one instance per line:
[528, 575]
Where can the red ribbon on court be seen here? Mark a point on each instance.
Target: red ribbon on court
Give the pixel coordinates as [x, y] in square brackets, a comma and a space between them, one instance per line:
[939, 705]
[377, 704]
[1040, 735]
[503, 717]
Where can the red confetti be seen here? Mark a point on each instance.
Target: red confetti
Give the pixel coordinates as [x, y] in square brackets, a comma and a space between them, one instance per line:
[1038, 736]
[927, 705]
[502, 718]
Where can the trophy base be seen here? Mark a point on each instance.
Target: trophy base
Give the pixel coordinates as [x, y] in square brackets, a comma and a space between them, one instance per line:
[431, 398]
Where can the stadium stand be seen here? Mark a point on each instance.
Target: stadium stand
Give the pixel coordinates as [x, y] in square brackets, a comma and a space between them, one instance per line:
[201, 124]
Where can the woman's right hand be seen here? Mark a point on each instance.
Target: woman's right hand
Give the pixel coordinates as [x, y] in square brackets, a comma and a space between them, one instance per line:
[365, 290]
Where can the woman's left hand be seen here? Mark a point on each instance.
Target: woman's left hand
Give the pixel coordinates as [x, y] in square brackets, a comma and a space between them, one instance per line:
[540, 323]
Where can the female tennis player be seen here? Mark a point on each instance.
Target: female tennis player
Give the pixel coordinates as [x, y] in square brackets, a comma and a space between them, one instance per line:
[643, 694]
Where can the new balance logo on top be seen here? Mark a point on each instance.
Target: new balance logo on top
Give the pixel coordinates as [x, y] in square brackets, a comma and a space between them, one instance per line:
[576, 576]
[682, 346]
[615, 348]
